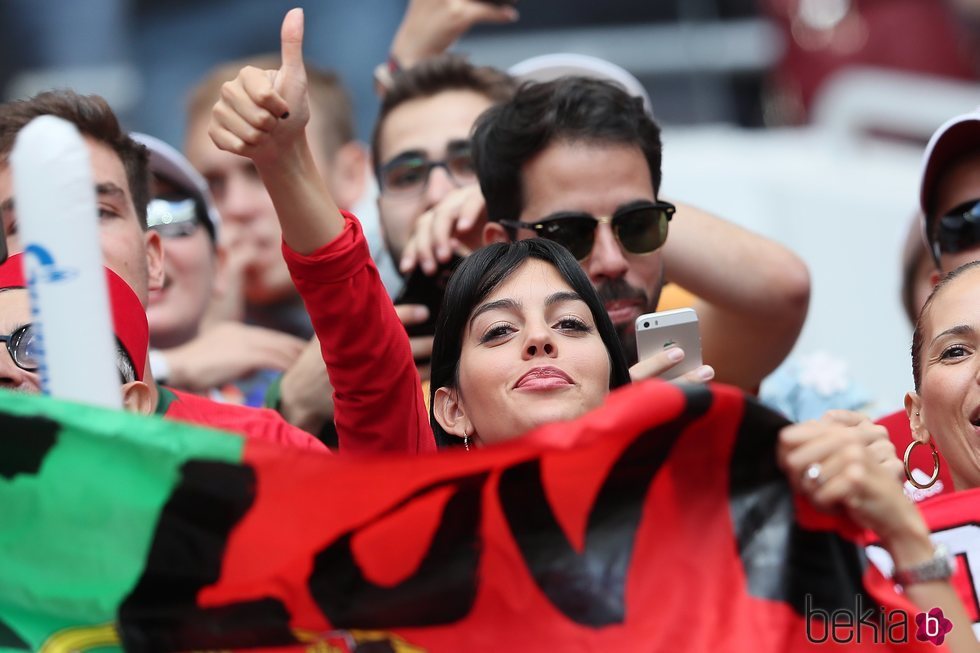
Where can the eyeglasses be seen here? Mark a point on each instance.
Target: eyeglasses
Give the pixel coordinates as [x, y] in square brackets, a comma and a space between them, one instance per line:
[407, 174]
[640, 228]
[24, 347]
[958, 230]
[175, 216]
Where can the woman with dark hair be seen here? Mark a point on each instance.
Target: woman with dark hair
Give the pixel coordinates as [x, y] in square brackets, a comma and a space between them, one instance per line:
[494, 295]
[523, 339]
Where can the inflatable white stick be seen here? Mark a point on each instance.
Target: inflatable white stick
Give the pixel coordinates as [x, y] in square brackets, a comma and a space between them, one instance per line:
[58, 220]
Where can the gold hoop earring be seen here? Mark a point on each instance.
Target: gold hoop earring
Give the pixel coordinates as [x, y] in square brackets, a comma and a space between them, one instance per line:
[935, 465]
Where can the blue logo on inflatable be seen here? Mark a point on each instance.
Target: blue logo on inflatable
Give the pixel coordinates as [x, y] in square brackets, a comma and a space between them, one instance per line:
[48, 272]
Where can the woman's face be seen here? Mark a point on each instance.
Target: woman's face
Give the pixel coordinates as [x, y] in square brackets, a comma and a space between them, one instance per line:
[949, 389]
[531, 355]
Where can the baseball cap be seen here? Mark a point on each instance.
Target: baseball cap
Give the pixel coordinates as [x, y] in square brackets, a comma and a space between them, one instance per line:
[956, 137]
[548, 67]
[128, 314]
[171, 165]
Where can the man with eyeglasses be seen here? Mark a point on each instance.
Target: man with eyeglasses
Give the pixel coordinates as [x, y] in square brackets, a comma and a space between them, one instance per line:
[421, 153]
[232, 361]
[19, 365]
[577, 160]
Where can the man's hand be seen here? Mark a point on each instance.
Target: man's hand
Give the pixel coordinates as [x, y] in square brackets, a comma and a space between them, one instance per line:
[454, 225]
[305, 394]
[410, 315]
[430, 27]
[662, 361]
[228, 352]
[262, 113]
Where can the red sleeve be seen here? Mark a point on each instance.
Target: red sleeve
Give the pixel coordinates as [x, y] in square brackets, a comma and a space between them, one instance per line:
[256, 423]
[378, 402]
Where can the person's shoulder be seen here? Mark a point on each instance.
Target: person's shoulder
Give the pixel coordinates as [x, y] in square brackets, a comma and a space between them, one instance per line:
[258, 423]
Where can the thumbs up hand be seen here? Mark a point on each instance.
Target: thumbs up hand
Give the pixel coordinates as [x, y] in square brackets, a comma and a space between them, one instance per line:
[262, 113]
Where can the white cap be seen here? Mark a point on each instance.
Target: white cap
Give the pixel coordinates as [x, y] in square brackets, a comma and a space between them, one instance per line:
[548, 67]
[956, 137]
[170, 164]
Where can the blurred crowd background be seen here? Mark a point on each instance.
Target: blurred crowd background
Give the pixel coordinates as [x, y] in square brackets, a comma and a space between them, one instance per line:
[804, 120]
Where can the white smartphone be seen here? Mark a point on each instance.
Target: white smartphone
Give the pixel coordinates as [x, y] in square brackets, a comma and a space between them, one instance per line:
[679, 327]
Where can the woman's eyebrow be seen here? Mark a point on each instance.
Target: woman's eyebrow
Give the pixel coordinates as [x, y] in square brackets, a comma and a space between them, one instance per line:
[958, 330]
[563, 296]
[500, 304]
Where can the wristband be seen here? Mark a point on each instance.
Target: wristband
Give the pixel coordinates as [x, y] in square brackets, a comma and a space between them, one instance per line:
[939, 567]
[383, 73]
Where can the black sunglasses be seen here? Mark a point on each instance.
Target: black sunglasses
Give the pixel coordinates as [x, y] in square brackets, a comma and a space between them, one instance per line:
[408, 173]
[640, 227]
[958, 230]
[23, 347]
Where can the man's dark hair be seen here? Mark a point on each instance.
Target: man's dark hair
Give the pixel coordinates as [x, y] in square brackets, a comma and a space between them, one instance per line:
[93, 117]
[569, 109]
[447, 72]
[477, 276]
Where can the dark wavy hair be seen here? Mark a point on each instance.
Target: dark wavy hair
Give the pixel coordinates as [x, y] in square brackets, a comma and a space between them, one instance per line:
[475, 278]
[568, 109]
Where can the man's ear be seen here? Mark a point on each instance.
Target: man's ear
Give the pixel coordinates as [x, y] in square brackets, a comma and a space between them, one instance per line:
[348, 174]
[913, 409]
[137, 399]
[450, 414]
[154, 260]
[494, 232]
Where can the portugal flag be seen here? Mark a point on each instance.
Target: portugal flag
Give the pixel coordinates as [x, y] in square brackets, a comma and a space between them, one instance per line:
[658, 522]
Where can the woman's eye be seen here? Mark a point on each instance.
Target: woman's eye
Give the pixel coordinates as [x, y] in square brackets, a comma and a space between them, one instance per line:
[573, 324]
[954, 351]
[495, 331]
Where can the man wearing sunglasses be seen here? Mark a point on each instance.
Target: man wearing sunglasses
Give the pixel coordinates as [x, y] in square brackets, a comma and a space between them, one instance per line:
[577, 160]
[950, 193]
[233, 361]
[949, 197]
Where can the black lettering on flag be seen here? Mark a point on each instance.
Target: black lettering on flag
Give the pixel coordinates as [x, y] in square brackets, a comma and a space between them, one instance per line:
[10, 640]
[441, 591]
[27, 441]
[590, 588]
[782, 560]
[161, 614]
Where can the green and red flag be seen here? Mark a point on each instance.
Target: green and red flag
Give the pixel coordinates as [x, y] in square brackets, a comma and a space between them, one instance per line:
[659, 522]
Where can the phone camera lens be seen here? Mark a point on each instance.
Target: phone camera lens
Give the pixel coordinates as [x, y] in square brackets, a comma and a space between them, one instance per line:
[646, 325]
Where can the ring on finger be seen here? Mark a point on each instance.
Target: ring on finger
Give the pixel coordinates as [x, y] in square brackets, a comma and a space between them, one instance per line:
[813, 473]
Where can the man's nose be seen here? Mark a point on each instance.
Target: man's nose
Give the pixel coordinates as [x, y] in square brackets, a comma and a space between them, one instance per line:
[15, 378]
[439, 185]
[607, 260]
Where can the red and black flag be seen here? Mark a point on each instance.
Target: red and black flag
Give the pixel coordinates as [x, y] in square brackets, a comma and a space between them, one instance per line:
[659, 522]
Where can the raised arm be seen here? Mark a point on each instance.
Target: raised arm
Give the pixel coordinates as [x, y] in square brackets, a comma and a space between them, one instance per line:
[262, 114]
[753, 293]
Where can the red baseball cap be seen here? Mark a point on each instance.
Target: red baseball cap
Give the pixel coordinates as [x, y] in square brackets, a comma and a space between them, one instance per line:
[128, 314]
